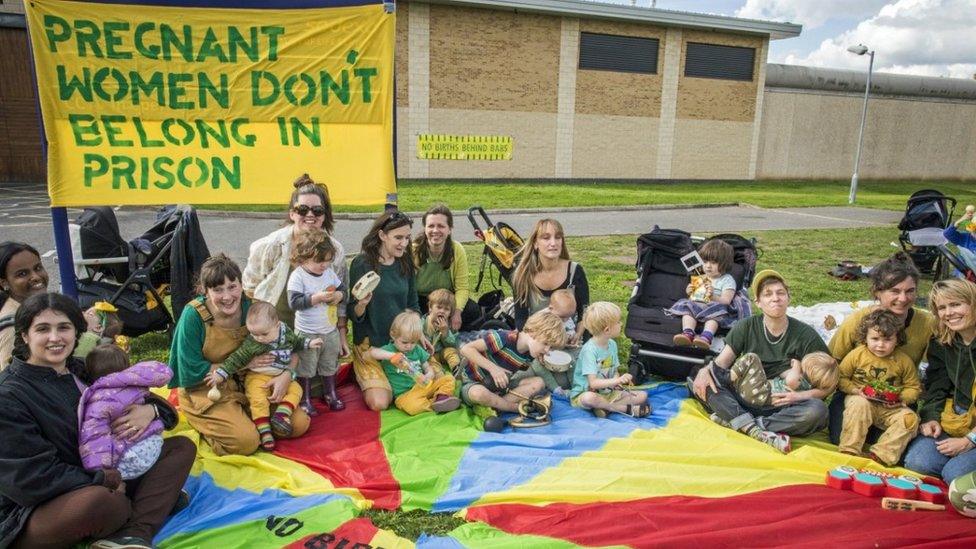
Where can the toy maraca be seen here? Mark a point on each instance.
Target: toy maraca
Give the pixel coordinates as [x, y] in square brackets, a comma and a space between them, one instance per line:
[213, 393]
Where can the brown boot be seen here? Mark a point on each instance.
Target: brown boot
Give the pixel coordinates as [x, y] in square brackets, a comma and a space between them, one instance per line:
[329, 395]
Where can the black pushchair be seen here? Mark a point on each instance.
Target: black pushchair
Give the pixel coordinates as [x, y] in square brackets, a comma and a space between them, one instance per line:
[662, 278]
[502, 244]
[927, 214]
[135, 275]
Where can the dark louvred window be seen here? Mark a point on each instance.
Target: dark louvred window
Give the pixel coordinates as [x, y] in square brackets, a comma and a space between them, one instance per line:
[607, 52]
[714, 61]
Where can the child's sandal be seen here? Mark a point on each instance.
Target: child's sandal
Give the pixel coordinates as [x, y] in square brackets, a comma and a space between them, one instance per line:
[638, 410]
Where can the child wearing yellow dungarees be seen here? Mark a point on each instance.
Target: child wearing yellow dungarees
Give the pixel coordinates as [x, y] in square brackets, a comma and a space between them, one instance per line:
[267, 334]
[417, 386]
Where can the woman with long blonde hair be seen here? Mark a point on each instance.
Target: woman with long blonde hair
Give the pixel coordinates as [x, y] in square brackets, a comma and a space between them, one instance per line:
[544, 266]
[947, 443]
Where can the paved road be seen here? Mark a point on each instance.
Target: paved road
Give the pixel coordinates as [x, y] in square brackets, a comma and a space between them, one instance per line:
[24, 216]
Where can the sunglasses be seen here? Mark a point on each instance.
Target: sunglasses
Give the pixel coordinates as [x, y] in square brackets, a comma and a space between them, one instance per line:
[398, 219]
[303, 210]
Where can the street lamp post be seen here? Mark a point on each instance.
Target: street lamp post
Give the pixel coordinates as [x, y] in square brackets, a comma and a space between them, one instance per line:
[861, 49]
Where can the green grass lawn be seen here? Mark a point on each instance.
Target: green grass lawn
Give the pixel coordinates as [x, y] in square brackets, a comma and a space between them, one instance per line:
[418, 195]
[803, 257]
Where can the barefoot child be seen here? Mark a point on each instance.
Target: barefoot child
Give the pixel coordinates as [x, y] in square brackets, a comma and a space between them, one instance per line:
[816, 371]
[115, 386]
[875, 363]
[498, 354]
[267, 334]
[417, 386]
[596, 384]
[708, 301]
[437, 330]
[313, 288]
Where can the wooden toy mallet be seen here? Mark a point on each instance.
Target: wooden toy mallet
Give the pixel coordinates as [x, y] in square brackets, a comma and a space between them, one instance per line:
[899, 504]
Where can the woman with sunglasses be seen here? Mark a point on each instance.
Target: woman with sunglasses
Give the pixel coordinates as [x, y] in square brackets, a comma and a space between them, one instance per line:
[385, 250]
[269, 266]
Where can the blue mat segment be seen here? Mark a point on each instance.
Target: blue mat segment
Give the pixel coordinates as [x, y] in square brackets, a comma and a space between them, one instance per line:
[438, 542]
[214, 507]
[495, 462]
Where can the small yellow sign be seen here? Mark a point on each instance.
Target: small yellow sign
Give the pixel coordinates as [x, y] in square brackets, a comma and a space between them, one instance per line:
[464, 147]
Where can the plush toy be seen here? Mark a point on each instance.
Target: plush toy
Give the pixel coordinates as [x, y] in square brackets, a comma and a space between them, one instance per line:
[962, 494]
[701, 289]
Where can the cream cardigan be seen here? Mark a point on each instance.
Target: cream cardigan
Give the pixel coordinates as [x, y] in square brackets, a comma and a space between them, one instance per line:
[268, 266]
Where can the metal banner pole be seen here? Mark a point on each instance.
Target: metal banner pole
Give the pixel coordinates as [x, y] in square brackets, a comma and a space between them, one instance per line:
[62, 242]
[59, 216]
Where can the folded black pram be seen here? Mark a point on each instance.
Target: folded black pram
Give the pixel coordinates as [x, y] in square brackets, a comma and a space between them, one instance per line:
[927, 213]
[661, 280]
[133, 275]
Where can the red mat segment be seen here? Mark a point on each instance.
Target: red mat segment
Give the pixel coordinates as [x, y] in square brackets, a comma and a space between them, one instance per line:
[798, 516]
[356, 533]
[345, 448]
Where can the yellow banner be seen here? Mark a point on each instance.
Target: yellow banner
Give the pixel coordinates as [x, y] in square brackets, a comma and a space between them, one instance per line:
[464, 147]
[159, 105]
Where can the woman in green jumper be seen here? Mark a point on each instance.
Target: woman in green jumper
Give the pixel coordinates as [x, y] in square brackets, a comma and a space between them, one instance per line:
[442, 263]
[385, 250]
[210, 328]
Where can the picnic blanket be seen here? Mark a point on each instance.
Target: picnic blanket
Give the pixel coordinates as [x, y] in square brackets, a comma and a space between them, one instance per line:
[672, 479]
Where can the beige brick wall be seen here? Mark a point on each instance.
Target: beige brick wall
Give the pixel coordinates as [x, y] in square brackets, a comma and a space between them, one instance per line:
[401, 66]
[12, 6]
[711, 149]
[534, 134]
[756, 123]
[566, 118]
[620, 93]
[493, 60]
[418, 89]
[498, 73]
[814, 135]
[403, 143]
[615, 146]
[669, 95]
[716, 99]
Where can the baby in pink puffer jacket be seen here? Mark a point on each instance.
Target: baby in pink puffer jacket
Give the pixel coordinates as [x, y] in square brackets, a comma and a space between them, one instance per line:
[115, 386]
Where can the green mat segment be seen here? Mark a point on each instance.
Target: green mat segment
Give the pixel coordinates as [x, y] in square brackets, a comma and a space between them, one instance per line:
[424, 451]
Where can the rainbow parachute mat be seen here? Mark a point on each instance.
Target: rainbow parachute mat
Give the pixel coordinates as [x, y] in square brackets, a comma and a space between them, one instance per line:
[674, 479]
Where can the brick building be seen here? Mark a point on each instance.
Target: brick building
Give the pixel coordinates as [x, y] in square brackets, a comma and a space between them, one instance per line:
[586, 90]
